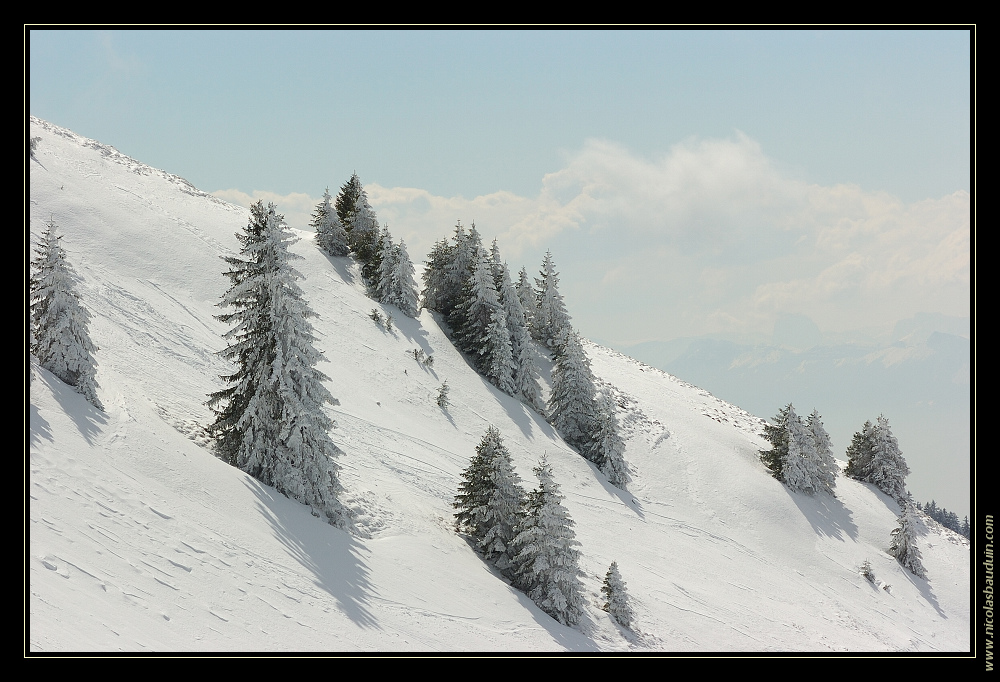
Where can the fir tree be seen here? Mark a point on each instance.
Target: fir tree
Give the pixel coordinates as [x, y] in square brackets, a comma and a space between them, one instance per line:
[827, 465]
[382, 285]
[347, 198]
[490, 500]
[498, 265]
[525, 377]
[874, 457]
[546, 563]
[59, 322]
[364, 237]
[889, 469]
[503, 506]
[483, 332]
[396, 285]
[330, 234]
[609, 446]
[616, 597]
[800, 469]
[777, 435]
[551, 322]
[270, 420]
[473, 492]
[527, 297]
[800, 454]
[860, 453]
[435, 276]
[500, 367]
[572, 403]
[903, 545]
[458, 272]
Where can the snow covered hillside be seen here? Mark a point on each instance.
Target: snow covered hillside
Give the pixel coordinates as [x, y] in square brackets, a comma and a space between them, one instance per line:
[141, 540]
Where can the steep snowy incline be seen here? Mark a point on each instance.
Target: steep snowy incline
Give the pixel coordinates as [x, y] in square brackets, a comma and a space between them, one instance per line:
[141, 540]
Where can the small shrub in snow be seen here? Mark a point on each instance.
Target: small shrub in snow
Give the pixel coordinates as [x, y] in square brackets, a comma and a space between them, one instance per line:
[442, 399]
[867, 572]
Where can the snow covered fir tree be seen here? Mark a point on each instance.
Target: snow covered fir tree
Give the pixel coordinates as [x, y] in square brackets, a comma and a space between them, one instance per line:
[347, 199]
[903, 545]
[490, 500]
[616, 597]
[331, 236]
[874, 457]
[269, 420]
[546, 561]
[550, 322]
[608, 443]
[525, 377]
[363, 234]
[396, 284]
[59, 326]
[826, 478]
[799, 455]
[573, 400]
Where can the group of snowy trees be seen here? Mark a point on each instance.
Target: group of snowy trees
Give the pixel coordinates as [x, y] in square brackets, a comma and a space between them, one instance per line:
[349, 226]
[471, 288]
[586, 421]
[494, 321]
[800, 454]
[58, 330]
[528, 537]
[269, 420]
[800, 457]
[947, 518]
[874, 457]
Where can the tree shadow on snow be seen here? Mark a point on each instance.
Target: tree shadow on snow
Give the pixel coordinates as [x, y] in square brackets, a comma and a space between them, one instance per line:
[88, 419]
[332, 556]
[39, 428]
[924, 587]
[342, 264]
[410, 328]
[826, 513]
[624, 496]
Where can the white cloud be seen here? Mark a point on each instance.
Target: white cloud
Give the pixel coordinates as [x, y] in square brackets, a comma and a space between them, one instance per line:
[297, 207]
[710, 237]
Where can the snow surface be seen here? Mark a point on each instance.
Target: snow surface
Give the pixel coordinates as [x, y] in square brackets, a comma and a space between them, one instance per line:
[141, 540]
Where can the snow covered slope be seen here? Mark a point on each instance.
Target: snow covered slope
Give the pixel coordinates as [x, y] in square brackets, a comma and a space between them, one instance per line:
[141, 540]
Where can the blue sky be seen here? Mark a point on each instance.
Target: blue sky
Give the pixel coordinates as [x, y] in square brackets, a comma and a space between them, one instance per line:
[687, 182]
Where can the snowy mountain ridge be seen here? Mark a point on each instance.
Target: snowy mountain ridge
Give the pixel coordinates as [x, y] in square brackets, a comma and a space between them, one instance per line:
[141, 540]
